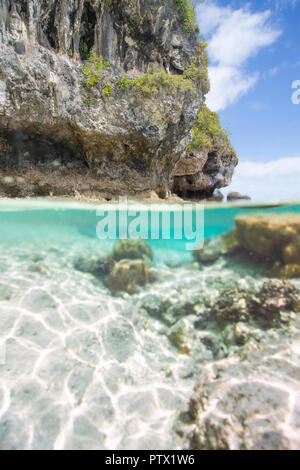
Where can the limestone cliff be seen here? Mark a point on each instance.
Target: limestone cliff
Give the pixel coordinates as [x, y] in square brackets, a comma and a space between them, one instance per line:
[101, 93]
[210, 161]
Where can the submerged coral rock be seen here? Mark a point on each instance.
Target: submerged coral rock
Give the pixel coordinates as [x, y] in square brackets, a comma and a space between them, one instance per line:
[289, 271]
[272, 238]
[107, 89]
[128, 275]
[126, 268]
[132, 249]
[179, 336]
[272, 306]
[231, 306]
[250, 403]
[275, 304]
[97, 266]
[291, 253]
[213, 248]
[230, 242]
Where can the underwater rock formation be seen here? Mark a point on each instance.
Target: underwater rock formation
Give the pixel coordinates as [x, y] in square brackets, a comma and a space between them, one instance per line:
[124, 270]
[273, 306]
[99, 267]
[127, 275]
[271, 241]
[249, 398]
[248, 403]
[132, 249]
[273, 238]
[62, 107]
[212, 249]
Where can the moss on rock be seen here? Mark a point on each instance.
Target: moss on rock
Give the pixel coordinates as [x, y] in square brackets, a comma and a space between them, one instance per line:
[186, 10]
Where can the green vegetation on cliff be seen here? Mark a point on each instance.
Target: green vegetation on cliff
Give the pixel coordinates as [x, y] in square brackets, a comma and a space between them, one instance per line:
[207, 131]
[98, 72]
[186, 9]
[154, 82]
[94, 70]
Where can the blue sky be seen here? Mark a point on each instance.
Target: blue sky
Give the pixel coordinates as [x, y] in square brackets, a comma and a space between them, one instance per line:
[254, 51]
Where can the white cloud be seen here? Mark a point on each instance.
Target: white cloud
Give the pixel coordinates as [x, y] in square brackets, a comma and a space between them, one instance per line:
[233, 37]
[274, 181]
[228, 84]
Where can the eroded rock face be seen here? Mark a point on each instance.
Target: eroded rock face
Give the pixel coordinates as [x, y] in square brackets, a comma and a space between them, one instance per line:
[127, 140]
[197, 174]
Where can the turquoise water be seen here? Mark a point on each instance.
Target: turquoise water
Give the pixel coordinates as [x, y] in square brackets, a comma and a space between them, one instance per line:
[80, 368]
[31, 221]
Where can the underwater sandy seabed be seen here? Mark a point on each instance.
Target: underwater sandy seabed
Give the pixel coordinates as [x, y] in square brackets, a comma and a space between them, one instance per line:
[88, 370]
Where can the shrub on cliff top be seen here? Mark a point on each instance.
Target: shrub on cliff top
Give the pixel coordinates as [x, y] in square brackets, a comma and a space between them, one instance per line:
[153, 82]
[198, 73]
[207, 131]
[94, 70]
[186, 9]
[98, 72]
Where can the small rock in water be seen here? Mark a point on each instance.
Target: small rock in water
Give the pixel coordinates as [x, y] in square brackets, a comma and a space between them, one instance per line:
[211, 251]
[124, 270]
[235, 196]
[133, 250]
[216, 197]
[97, 266]
[180, 336]
[128, 275]
[36, 258]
